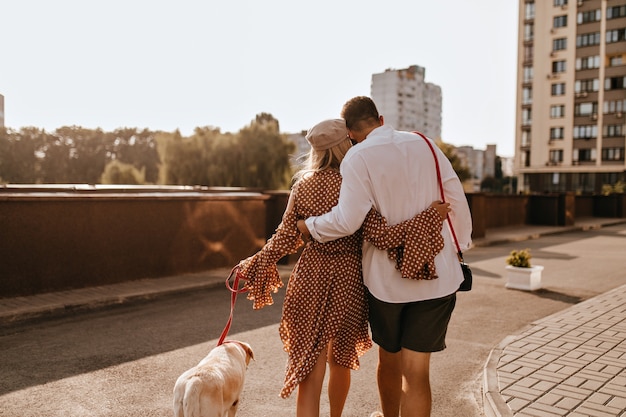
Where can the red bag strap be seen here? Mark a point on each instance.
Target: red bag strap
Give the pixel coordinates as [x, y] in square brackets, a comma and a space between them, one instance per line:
[443, 197]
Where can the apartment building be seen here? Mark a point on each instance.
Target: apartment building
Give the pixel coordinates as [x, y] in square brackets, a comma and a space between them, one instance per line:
[407, 101]
[571, 95]
[1, 110]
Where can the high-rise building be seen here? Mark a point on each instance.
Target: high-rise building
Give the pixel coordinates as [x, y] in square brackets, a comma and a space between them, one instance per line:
[1, 110]
[407, 101]
[571, 95]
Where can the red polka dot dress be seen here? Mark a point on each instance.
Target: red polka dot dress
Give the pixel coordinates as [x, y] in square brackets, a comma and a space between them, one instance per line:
[325, 296]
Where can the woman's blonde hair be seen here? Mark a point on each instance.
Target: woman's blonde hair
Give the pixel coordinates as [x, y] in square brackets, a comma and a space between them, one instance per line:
[321, 160]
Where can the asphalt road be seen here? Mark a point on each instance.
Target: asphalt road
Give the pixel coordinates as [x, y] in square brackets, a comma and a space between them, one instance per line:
[124, 360]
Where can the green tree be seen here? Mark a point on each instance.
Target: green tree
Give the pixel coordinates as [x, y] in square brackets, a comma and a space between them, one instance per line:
[461, 170]
[183, 160]
[18, 150]
[117, 172]
[88, 153]
[54, 160]
[265, 154]
[257, 156]
[135, 147]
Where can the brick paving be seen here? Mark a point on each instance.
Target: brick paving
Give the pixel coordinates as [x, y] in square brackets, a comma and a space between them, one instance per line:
[572, 363]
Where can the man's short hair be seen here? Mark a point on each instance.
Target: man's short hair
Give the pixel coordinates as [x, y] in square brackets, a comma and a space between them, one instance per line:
[359, 109]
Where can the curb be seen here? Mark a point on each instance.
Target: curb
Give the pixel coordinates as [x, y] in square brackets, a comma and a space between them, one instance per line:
[485, 242]
[52, 310]
[493, 402]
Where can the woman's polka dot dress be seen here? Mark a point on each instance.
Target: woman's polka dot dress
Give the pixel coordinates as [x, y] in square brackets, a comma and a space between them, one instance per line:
[325, 298]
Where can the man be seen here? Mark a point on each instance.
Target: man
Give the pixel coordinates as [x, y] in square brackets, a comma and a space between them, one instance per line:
[395, 173]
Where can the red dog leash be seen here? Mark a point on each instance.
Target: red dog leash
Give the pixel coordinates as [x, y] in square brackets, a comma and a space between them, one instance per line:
[234, 290]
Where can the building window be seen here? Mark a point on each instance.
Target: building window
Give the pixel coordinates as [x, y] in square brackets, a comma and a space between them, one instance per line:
[526, 116]
[614, 106]
[612, 154]
[585, 132]
[615, 12]
[556, 133]
[589, 16]
[588, 39]
[560, 21]
[556, 155]
[526, 159]
[560, 3]
[614, 83]
[558, 89]
[616, 61]
[586, 154]
[586, 86]
[588, 62]
[528, 53]
[528, 74]
[558, 66]
[525, 138]
[613, 131]
[559, 44]
[557, 111]
[615, 35]
[529, 11]
[585, 109]
[529, 31]
[527, 95]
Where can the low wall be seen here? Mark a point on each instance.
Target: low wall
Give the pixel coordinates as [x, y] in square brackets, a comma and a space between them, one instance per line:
[55, 238]
[56, 241]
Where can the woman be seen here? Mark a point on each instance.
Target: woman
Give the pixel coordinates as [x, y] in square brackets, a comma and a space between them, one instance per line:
[325, 309]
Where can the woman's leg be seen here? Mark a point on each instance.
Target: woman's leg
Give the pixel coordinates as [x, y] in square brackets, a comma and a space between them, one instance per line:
[310, 390]
[338, 384]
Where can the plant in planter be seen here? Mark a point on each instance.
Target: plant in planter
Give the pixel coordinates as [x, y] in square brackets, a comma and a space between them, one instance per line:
[520, 274]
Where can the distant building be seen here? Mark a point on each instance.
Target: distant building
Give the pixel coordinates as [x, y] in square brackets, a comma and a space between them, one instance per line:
[481, 164]
[1, 110]
[571, 95]
[407, 101]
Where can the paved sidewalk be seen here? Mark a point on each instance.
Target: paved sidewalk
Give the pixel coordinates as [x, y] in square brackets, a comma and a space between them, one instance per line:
[571, 363]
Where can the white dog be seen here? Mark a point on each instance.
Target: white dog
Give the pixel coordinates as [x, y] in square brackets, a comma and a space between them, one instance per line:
[212, 388]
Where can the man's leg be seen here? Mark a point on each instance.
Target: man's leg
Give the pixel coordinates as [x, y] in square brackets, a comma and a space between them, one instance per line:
[389, 376]
[416, 395]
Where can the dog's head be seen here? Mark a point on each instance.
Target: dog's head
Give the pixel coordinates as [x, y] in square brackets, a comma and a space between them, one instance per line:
[247, 350]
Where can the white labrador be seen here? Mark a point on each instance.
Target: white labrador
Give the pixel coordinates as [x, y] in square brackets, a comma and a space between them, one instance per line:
[212, 388]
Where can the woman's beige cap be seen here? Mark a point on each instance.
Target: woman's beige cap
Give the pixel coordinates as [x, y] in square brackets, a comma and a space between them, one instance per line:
[327, 134]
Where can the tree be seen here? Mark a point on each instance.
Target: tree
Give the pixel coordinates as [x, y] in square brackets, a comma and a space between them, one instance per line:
[461, 170]
[117, 172]
[88, 153]
[265, 154]
[18, 150]
[257, 156]
[138, 148]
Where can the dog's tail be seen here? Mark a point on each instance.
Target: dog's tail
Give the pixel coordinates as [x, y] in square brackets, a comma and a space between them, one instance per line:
[189, 403]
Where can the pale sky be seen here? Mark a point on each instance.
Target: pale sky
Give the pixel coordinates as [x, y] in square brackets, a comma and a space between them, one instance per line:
[167, 65]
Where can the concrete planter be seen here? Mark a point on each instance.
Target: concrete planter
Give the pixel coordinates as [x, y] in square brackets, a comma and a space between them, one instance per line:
[527, 279]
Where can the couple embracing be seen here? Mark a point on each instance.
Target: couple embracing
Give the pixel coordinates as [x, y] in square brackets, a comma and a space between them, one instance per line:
[377, 252]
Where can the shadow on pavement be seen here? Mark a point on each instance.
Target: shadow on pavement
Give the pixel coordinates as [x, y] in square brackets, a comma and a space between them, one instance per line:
[36, 353]
[558, 296]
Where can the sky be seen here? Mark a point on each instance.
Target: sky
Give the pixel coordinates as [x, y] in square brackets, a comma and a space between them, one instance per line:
[167, 65]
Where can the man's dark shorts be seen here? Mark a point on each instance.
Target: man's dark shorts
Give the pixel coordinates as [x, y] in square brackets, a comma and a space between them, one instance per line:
[419, 326]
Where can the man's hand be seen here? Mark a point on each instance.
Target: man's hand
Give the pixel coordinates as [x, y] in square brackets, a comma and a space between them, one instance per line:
[303, 229]
[442, 208]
